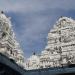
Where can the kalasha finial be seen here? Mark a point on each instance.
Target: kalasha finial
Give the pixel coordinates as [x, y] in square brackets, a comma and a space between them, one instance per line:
[61, 16]
[2, 12]
[34, 53]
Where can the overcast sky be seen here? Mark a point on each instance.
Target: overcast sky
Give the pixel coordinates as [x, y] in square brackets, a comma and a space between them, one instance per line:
[33, 19]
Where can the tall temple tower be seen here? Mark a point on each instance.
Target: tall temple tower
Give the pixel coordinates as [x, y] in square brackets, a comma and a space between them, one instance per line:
[60, 49]
[8, 43]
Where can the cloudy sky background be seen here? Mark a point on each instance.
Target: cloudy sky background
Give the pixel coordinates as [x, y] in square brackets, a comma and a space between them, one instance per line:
[33, 19]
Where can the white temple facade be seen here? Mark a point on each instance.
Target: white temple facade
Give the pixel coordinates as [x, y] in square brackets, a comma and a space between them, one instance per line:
[60, 49]
[8, 44]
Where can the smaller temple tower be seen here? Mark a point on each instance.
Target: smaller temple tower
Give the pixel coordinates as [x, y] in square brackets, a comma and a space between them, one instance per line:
[32, 62]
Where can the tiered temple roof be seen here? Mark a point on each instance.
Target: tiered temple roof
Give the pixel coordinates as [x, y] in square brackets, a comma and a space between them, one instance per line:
[61, 44]
[8, 43]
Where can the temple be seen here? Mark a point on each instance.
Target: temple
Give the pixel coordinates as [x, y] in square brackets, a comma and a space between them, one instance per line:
[56, 58]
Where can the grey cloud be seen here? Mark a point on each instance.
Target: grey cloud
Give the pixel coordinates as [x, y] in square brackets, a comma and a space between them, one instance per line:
[35, 5]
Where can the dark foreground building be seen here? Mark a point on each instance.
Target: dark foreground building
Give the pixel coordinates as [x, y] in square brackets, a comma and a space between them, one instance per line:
[9, 67]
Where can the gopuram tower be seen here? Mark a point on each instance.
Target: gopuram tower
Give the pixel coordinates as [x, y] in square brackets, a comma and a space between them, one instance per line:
[8, 43]
[60, 49]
